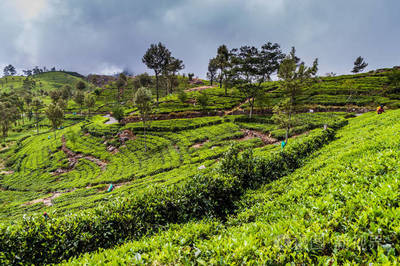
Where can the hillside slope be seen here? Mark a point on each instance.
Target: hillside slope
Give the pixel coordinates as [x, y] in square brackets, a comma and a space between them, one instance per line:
[341, 206]
[41, 82]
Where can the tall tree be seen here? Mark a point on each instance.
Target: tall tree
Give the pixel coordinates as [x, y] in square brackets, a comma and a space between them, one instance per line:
[37, 105]
[294, 78]
[173, 66]
[222, 62]
[66, 92]
[56, 116]
[55, 95]
[9, 70]
[80, 85]
[90, 102]
[157, 58]
[144, 103]
[120, 84]
[251, 67]
[27, 72]
[359, 65]
[212, 70]
[8, 114]
[79, 99]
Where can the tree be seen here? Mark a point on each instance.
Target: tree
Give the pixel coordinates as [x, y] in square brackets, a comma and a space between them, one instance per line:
[36, 70]
[56, 116]
[212, 70]
[37, 105]
[28, 84]
[80, 85]
[9, 70]
[202, 99]
[222, 62]
[118, 113]
[173, 66]
[251, 67]
[63, 104]
[66, 92]
[79, 99]
[8, 114]
[27, 72]
[359, 65]
[120, 83]
[190, 76]
[294, 78]
[182, 96]
[144, 80]
[90, 102]
[55, 95]
[157, 58]
[144, 103]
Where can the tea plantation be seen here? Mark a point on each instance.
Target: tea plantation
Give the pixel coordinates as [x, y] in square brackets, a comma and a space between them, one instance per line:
[204, 183]
[341, 206]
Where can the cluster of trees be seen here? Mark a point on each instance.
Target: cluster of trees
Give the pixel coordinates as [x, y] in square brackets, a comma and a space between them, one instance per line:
[159, 59]
[248, 68]
[10, 70]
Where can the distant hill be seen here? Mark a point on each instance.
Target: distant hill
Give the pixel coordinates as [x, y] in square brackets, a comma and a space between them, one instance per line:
[44, 81]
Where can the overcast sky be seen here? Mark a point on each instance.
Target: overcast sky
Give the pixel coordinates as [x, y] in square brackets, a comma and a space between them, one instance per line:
[105, 36]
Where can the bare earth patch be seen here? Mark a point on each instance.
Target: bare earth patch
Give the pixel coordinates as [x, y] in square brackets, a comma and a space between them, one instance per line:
[251, 134]
[46, 201]
[199, 145]
[73, 159]
[199, 88]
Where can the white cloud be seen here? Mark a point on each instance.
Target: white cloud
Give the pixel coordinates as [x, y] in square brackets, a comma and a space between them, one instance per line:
[29, 10]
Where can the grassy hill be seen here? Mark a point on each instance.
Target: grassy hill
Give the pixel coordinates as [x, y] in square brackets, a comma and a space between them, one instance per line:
[207, 184]
[45, 81]
[340, 207]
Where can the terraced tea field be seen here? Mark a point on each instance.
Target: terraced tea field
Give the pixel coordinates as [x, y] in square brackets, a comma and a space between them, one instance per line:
[73, 171]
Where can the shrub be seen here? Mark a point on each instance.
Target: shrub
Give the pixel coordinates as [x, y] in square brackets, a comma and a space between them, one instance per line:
[182, 96]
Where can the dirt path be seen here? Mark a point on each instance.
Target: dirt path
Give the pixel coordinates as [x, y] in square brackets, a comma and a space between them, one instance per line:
[111, 120]
[47, 201]
[250, 134]
[200, 144]
[73, 159]
[199, 88]
[236, 108]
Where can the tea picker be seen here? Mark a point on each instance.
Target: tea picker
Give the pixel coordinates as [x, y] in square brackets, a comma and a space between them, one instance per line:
[283, 144]
[110, 188]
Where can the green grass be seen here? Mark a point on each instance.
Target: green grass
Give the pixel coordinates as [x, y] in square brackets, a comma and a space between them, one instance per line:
[45, 81]
[281, 222]
[340, 207]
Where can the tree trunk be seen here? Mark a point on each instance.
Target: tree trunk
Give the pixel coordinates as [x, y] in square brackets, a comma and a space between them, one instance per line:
[287, 134]
[157, 87]
[251, 102]
[288, 127]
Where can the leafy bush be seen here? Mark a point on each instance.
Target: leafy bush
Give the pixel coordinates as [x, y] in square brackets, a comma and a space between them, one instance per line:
[127, 218]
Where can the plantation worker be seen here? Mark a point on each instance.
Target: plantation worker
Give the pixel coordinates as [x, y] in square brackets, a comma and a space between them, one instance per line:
[380, 109]
[110, 188]
[283, 144]
[46, 216]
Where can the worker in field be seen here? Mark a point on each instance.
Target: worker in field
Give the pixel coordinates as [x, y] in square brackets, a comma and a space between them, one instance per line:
[380, 109]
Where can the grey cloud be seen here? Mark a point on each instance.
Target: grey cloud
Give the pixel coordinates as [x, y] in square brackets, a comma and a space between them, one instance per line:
[93, 36]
